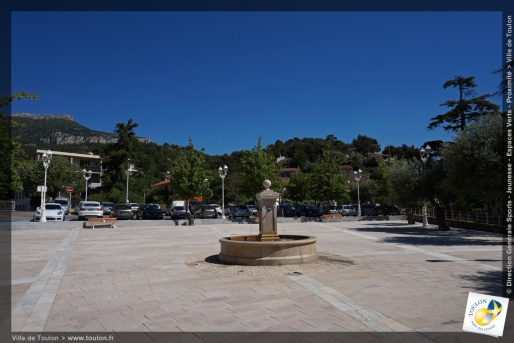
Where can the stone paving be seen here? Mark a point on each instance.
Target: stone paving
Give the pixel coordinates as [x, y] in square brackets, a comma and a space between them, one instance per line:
[371, 277]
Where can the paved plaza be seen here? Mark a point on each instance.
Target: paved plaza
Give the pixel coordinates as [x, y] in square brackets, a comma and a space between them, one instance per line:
[372, 277]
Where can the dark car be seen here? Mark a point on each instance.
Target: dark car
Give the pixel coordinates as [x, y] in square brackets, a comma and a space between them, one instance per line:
[178, 212]
[388, 209]
[309, 211]
[207, 211]
[289, 210]
[107, 207]
[149, 211]
[122, 211]
[240, 211]
[329, 209]
[368, 210]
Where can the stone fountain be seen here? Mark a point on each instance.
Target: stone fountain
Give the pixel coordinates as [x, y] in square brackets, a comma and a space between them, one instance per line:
[268, 248]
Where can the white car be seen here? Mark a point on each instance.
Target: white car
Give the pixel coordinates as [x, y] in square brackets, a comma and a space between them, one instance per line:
[89, 209]
[53, 211]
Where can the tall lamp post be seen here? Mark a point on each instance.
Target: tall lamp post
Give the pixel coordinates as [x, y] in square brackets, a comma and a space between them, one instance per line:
[223, 173]
[424, 153]
[47, 156]
[357, 175]
[130, 168]
[87, 176]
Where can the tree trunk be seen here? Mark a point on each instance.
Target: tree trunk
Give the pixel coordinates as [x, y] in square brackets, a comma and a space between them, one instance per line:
[441, 220]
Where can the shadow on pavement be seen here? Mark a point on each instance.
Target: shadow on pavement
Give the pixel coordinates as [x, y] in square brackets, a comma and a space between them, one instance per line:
[489, 282]
[408, 234]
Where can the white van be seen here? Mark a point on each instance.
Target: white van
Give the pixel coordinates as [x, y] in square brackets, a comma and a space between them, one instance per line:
[65, 203]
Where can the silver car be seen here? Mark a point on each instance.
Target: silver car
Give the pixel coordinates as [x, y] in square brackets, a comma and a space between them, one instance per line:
[89, 209]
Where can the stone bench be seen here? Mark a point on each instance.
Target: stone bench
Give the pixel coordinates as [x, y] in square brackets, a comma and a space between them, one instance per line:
[99, 222]
[336, 217]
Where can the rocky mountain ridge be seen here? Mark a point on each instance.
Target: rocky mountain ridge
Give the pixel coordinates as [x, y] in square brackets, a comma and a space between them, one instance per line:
[43, 131]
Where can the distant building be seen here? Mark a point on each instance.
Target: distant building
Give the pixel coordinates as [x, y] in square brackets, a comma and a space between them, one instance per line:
[351, 176]
[166, 184]
[287, 173]
[84, 161]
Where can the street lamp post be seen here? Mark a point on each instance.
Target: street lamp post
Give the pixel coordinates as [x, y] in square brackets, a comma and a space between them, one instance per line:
[130, 168]
[87, 176]
[223, 173]
[47, 156]
[425, 155]
[357, 175]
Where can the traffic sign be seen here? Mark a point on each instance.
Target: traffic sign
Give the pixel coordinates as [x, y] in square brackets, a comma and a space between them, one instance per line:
[69, 190]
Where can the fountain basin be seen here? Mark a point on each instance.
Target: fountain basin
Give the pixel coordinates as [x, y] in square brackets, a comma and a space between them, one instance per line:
[250, 251]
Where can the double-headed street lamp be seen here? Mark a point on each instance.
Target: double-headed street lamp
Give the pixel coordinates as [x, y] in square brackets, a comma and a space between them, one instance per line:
[130, 168]
[87, 176]
[424, 153]
[47, 156]
[357, 175]
[223, 173]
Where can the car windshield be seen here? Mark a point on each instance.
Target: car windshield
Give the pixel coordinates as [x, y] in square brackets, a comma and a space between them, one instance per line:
[105, 204]
[124, 207]
[151, 207]
[62, 202]
[52, 207]
[179, 208]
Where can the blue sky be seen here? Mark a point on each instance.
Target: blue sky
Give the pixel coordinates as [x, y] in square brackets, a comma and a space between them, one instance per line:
[226, 78]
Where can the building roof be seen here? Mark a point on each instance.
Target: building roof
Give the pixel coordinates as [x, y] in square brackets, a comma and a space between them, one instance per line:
[162, 183]
[69, 154]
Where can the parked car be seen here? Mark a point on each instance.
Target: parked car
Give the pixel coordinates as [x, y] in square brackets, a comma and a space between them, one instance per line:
[349, 210]
[53, 211]
[134, 206]
[207, 211]
[239, 211]
[122, 211]
[328, 209]
[149, 211]
[289, 210]
[309, 211]
[388, 209]
[178, 212]
[368, 210]
[65, 204]
[107, 207]
[89, 209]
[252, 209]
[218, 209]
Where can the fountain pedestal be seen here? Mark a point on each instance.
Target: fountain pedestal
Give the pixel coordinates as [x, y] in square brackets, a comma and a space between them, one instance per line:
[267, 200]
[268, 248]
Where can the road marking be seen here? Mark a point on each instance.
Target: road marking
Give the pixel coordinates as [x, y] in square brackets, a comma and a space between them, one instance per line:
[32, 311]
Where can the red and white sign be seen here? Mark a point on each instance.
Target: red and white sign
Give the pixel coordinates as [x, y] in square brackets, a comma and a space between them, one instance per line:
[69, 190]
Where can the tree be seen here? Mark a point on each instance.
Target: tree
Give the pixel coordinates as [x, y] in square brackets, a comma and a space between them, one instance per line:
[12, 161]
[258, 166]
[328, 182]
[299, 187]
[504, 83]
[464, 110]
[401, 152]
[116, 164]
[188, 176]
[59, 174]
[365, 145]
[479, 145]
[411, 182]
